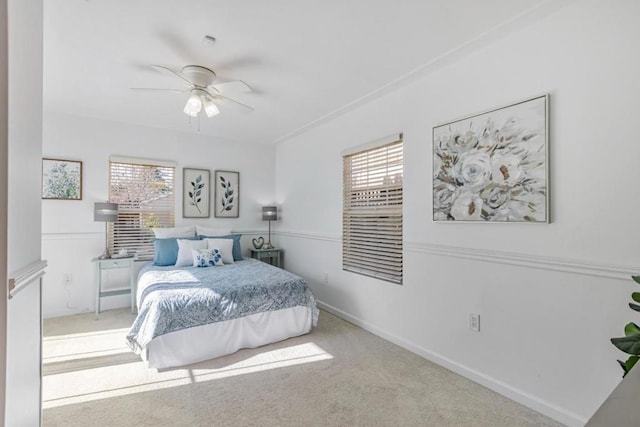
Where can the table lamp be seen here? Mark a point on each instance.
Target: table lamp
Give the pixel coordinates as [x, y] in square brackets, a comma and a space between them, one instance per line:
[105, 212]
[269, 213]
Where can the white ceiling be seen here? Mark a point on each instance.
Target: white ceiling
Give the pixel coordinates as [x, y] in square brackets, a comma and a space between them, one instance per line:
[306, 60]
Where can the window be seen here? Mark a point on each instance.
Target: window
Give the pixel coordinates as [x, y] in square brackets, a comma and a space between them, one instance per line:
[144, 192]
[372, 211]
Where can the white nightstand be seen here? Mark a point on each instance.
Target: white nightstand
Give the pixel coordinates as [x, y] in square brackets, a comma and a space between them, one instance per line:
[126, 288]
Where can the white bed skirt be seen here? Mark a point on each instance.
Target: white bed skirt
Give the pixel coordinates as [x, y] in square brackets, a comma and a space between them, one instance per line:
[218, 339]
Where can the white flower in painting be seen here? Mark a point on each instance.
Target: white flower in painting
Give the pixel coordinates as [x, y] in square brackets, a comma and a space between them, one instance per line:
[506, 169]
[443, 196]
[473, 170]
[461, 142]
[467, 207]
[506, 215]
[497, 197]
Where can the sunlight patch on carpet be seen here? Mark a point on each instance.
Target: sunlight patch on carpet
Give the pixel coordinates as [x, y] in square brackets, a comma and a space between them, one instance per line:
[80, 346]
[77, 384]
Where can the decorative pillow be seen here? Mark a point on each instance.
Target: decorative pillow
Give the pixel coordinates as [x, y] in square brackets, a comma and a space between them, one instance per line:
[212, 232]
[185, 251]
[225, 246]
[207, 257]
[165, 251]
[177, 232]
[237, 249]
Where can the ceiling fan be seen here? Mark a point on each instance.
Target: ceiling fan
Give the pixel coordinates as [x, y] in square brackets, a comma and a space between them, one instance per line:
[204, 94]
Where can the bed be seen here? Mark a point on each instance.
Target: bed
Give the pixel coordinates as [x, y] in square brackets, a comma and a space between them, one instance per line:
[190, 314]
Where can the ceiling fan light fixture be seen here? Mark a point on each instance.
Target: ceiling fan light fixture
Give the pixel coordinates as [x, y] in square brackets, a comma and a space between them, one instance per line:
[194, 105]
[210, 107]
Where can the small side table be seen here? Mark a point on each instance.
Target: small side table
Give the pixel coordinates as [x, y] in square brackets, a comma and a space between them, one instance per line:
[270, 256]
[126, 288]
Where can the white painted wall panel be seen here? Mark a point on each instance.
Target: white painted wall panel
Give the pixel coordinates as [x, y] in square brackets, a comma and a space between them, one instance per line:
[23, 237]
[545, 333]
[70, 237]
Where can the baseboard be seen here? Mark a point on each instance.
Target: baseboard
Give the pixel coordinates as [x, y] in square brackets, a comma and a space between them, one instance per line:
[64, 313]
[559, 414]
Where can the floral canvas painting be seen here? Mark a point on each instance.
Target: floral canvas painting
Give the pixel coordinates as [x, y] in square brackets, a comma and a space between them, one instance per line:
[195, 193]
[493, 166]
[61, 179]
[227, 194]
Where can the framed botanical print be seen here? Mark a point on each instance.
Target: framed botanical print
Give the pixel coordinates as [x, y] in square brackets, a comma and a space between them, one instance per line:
[61, 179]
[227, 194]
[195, 193]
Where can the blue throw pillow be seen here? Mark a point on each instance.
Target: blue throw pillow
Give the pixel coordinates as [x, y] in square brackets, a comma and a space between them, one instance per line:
[165, 251]
[237, 249]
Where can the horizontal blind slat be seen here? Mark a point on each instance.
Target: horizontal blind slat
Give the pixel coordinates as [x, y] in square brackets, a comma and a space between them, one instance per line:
[372, 212]
[145, 195]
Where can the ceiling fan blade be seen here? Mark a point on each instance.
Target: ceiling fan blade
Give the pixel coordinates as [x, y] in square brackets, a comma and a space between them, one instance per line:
[246, 107]
[171, 72]
[234, 86]
[218, 98]
[180, 45]
[154, 89]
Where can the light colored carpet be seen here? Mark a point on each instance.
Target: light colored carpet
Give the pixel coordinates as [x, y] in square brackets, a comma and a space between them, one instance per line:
[338, 375]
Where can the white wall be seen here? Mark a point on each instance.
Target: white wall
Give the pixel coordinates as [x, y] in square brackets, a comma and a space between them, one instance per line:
[23, 222]
[70, 237]
[550, 296]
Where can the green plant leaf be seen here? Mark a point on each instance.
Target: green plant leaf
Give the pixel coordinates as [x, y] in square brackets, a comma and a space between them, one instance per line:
[631, 329]
[630, 363]
[636, 296]
[623, 366]
[630, 344]
[636, 279]
[633, 306]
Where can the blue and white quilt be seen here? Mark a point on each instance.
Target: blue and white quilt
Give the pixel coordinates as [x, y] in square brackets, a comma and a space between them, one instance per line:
[171, 299]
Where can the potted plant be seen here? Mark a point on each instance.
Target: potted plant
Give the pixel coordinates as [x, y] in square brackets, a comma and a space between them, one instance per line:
[630, 343]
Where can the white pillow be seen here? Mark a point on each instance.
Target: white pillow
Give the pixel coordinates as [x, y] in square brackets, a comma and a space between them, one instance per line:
[207, 258]
[212, 232]
[185, 251]
[167, 232]
[225, 246]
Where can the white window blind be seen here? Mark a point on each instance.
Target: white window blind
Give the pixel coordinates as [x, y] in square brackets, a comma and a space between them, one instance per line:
[144, 192]
[372, 212]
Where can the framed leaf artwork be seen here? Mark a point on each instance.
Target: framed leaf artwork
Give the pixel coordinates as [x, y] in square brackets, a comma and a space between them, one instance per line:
[227, 194]
[195, 193]
[61, 179]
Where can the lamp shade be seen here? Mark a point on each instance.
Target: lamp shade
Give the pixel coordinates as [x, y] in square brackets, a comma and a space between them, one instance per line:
[269, 213]
[105, 212]
[210, 107]
[194, 104]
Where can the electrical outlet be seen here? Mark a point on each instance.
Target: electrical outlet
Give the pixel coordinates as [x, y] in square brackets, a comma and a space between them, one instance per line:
[474, 322]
